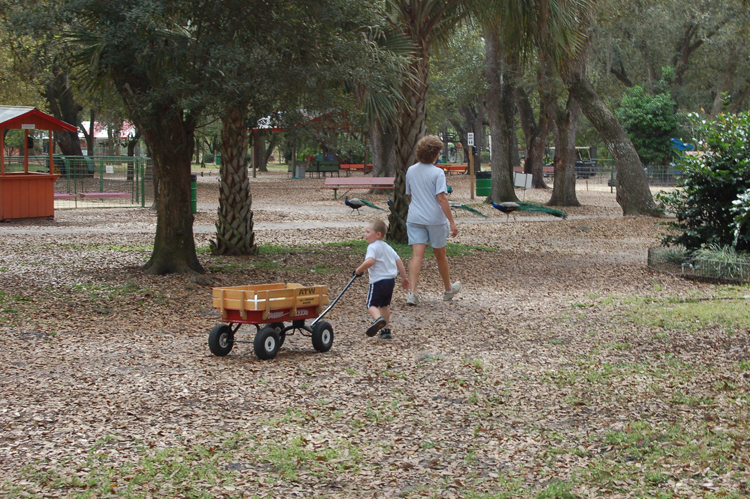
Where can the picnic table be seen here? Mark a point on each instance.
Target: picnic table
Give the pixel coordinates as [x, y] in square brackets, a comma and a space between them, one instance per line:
[353, 167]
[349, 183]
[454, 168]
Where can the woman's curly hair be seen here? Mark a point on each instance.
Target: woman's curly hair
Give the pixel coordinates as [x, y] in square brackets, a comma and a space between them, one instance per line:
[428, 148]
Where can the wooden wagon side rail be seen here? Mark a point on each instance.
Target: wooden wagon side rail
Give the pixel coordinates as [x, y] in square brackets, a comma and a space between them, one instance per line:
[266, 298]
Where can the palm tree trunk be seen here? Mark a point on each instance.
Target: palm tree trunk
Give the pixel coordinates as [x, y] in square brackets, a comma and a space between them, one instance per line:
[234, 230]
[409, 131]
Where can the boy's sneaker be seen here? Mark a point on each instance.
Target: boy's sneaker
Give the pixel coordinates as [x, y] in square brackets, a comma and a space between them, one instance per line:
[412, 299]
[385, 334]
[455, 289]
[376, 325]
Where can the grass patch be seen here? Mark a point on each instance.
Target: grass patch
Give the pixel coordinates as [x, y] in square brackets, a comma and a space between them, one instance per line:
[692, 314]
[115, 292]
[183, 470]
[405, 251]
[646, 455]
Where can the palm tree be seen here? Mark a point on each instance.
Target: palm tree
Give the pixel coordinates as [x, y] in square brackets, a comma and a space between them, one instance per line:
[234, 229]
[425, 22]
[381, 94]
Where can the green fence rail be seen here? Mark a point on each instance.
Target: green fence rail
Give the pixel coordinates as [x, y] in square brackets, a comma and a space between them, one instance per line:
[89, 181]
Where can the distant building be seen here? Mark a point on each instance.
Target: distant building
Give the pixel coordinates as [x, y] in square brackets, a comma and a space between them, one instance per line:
[106, 145]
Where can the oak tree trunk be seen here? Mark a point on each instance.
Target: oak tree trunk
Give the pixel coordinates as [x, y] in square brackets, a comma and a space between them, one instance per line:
[564, 186]
[62, 105]
[383, 143]
[633, 192]
[169, 137]
[499, 102]
[535, 134]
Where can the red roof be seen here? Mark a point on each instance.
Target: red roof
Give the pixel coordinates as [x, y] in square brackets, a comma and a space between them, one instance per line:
[32, 119]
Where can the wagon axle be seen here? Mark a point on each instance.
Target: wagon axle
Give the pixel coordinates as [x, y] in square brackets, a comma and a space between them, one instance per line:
[269, 338]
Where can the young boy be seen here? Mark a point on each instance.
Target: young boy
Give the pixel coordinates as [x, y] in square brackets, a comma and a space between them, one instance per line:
[382, 264]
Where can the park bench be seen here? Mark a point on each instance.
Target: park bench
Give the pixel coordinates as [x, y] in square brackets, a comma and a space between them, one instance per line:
[354, 167]
[324, 167]
[349, 183]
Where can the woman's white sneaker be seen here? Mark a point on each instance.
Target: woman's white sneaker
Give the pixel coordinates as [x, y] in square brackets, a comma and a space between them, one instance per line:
[455, 289]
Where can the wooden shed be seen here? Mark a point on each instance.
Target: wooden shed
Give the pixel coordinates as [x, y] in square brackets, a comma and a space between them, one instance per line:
[26, 194]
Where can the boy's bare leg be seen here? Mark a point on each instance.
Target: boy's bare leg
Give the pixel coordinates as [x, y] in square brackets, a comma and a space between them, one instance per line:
[383, 312]
[415, 265]
[374, 312]
[443, 266]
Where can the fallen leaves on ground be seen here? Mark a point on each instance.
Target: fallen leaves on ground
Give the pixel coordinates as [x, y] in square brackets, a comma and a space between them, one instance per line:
[553, 372]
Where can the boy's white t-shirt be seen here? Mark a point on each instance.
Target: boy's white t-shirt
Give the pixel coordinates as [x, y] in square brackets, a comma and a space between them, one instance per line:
[385, 257]
[424, 182]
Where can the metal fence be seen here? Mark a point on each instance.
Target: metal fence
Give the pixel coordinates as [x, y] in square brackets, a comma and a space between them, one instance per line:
[95, 181]
[605, 173]
[679, 263]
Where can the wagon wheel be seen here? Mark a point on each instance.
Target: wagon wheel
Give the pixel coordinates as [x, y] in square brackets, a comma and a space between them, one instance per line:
[279, 326]
[221, 340]
[322, 336]
[266, 343]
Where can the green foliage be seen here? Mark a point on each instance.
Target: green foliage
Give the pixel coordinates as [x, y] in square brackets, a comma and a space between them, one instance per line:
[711, 183]
[741, 210]
[650, 122]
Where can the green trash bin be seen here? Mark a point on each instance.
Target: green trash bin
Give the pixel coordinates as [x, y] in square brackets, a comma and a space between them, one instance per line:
[484, 183]
[194, 193]
[218, 158]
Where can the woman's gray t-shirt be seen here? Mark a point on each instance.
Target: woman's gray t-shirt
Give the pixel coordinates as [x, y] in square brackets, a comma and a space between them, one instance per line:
[424, 182]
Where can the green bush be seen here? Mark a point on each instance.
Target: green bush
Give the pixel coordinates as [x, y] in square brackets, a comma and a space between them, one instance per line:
[712, 182]
[650, 122]
[741, 210]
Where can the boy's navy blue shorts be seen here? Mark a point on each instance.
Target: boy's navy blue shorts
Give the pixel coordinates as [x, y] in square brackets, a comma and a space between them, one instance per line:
[380, 293]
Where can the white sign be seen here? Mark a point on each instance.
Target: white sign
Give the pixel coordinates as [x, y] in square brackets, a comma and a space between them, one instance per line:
[109, 168]
[470, 139]
[28, 127]
[522, 180]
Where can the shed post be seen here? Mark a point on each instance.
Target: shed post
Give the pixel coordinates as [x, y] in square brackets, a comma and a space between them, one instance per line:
[26, 151]
[2, 152]
[51, 148]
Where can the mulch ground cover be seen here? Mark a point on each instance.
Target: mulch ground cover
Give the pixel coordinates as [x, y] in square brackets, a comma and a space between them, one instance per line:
[565, 368]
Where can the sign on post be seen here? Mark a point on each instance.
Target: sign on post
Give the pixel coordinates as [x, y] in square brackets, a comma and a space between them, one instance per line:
[470, 143]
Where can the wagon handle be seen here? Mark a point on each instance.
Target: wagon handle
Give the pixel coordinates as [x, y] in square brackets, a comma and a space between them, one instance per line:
[334, 301]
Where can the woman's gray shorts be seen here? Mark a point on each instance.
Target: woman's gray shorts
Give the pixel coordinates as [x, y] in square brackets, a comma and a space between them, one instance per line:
[434, 235]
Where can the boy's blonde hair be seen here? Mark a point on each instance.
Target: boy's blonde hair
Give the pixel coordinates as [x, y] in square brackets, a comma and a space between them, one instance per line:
[378, 226]
[428, 148]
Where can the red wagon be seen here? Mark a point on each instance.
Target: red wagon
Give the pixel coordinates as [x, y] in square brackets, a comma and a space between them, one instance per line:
[268, 307]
